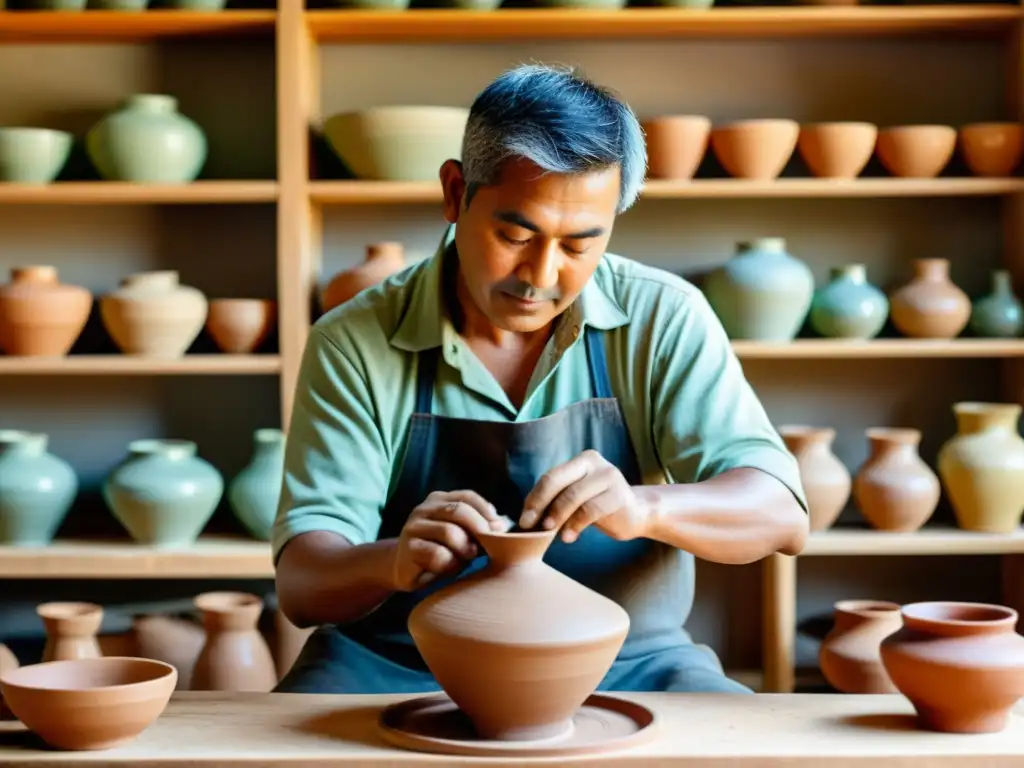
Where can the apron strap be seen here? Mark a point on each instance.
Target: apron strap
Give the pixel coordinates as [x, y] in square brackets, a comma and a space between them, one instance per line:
[427, 363]
[598, 364]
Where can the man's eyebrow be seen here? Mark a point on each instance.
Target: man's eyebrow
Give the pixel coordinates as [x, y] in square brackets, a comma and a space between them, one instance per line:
[514, 217]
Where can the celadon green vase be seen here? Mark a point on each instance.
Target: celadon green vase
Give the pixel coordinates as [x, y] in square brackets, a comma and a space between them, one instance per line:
[147, 140]
[254, 492]
[762, 293]
[163, 493]
[36, 489]
[999, 314]
[849, 307]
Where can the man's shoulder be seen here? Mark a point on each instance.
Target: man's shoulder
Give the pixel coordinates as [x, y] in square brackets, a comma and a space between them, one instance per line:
[643, 291]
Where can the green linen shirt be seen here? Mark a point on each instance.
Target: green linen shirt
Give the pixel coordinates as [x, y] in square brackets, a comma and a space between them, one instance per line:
[689, 409]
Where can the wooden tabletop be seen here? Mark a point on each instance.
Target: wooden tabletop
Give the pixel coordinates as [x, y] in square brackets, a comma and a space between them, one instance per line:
[209, 730]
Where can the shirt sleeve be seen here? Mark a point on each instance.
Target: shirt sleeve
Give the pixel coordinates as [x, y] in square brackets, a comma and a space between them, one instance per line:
[336, 468]
[707, 418]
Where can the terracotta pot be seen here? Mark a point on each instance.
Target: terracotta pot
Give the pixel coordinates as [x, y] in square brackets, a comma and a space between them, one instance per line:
[825, 479]
[8, 663]
[70, 630]
[151, 314]
[930, 306]
[850, 656]
[676, 144]
[518, 646]
[239, 326]
[992, 149]
[39, 315]
[171, 640]
[894, 489]
[982, 467]
[235, 656]
[837, 150]
[960, 664]
[755, 149]
[382, 261]
[917, 151]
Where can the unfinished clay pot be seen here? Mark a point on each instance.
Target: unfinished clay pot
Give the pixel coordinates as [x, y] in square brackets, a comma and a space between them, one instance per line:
[916, 151]
[382, 261]
[70, 630]
[894, 489]
[960, 664]
[39, 315]
[235, 656]
[676, 144]
[825, 479]
[518, 646]
[930, 306]
[837, 150]
[850, 656]
[89, 704]
[755, 149]
[992, 149]
[240, 326]
[153, 315]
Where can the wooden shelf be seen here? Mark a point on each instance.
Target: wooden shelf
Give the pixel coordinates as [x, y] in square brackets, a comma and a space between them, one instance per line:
[839, 349]
[124, 193]
[125, 365]
[118, 26]
[396, 192]
[927, 541]
[444, 25]
[210, 557]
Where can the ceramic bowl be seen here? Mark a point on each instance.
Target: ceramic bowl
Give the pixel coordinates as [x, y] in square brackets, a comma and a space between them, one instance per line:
[916, 151]
[400, 143]
[838, 150]
[755, 149]
[239, 326]
[992, 149]
[89, 704]
[33, 155]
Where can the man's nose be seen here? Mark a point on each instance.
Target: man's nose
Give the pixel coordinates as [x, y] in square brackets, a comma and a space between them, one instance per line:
[543, 267]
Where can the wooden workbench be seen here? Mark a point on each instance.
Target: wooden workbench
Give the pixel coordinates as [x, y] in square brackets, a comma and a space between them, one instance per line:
[210, 730]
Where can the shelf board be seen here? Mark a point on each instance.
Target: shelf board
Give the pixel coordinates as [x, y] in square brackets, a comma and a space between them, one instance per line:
[927, 541]
[118, 26]
[397, 192]
[125, 193]
[504, 25]
[125, 365]
[840, 349]
[210, 557]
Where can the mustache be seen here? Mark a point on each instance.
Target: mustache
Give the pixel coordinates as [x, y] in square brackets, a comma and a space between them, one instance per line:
[521, 289]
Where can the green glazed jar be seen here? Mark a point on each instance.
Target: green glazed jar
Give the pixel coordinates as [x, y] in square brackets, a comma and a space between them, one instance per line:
[1000, 314]
[256, 490]
[163, 493]
[849, 307]
[36, 489]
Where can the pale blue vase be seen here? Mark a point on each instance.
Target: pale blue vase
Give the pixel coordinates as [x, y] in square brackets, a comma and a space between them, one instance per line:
[256, 490]
[36, 489]
[849, 307]
[999, 314]
[163, 493]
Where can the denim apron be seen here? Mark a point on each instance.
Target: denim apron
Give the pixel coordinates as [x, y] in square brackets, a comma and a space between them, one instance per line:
[502, 461]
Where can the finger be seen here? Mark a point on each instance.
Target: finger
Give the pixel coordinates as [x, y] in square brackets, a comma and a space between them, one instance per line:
[462, 515]
[431, 556]
[475, 500]
[447, 534]
[592, 511]
[567, 504]
[551, 484]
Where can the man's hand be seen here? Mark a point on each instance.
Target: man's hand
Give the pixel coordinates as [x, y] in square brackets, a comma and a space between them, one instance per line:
[586, 490]
[438, 537]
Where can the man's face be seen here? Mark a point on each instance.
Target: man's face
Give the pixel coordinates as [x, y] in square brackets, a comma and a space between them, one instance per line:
[528, 245]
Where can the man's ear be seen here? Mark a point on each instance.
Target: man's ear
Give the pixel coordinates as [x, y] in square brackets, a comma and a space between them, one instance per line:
[453, 186]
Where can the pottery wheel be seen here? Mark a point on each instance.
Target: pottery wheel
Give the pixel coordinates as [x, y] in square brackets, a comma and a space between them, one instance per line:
[434, 724]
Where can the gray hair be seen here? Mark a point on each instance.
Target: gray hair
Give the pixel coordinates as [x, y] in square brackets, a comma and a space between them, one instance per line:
[558, 121]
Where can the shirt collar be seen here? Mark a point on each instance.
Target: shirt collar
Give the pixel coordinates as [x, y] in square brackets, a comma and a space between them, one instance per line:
[424, 320]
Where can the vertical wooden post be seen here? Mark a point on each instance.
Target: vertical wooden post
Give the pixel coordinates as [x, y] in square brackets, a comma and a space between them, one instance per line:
[778, 600]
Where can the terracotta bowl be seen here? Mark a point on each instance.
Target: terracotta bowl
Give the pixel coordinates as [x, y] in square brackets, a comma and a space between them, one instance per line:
[397, 143]
[239, 326]
[89, 704]
[755, 149]
[675, 145]
[837, 150]
[916, 151]
[992, 149]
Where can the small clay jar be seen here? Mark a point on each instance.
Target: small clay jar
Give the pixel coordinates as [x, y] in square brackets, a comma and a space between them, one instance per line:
[850, 656]
[960, 664]
[676, 144]
[894, 489]
[825, 479]
[153, 315]
[382, 261]
[70, 630]
[235, 656]
[930, 306]
[172, 640]
[240, 326]
[39, 315]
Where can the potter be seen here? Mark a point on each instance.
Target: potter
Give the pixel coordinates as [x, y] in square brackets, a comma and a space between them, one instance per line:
[525, 371]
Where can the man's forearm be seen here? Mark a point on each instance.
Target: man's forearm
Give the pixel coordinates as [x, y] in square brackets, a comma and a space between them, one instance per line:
[737, 517]
[323, 579]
